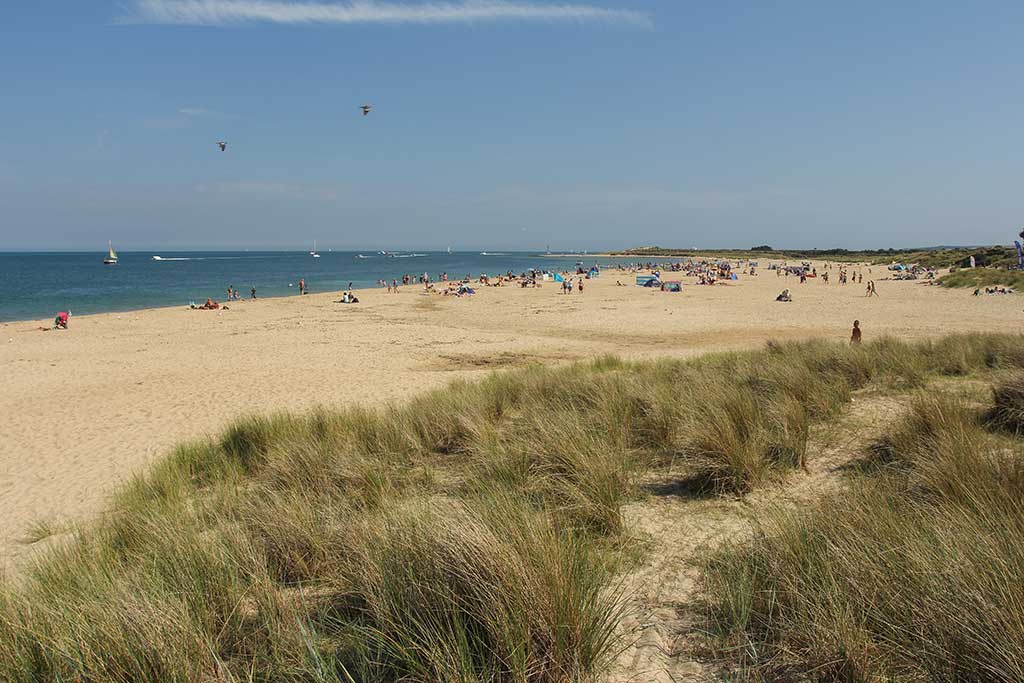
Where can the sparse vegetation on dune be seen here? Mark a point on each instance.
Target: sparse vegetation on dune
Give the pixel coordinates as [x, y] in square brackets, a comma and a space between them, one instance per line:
[974, 278]
[914, 573]
[472, 534]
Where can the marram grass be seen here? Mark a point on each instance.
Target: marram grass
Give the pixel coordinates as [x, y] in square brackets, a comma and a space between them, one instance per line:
[468, 535]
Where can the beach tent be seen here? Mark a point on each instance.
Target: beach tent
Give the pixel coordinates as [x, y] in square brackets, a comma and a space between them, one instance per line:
[559, 278]
[642, 280]
[594, 272]
[672, 286]
[734, 276]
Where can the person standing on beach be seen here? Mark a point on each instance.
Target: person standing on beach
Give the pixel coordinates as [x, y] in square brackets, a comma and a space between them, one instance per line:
[302, 286]
[394, 286]
[252, 293]
[579, 285]
[855, 335]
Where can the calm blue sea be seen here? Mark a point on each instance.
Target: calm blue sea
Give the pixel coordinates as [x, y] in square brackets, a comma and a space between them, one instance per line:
[37, 285]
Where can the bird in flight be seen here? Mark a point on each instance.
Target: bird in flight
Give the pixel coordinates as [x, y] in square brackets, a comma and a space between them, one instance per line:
[366, 109]
[223, 146]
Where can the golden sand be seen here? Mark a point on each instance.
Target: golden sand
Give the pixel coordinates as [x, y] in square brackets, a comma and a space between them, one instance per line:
[83, 409]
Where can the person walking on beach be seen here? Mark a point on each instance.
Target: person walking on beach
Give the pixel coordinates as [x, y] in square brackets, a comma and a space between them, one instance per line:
[302, 286]
[394, 286]
[871, 289]
[579, 285]
[252, 293]
[855, 335]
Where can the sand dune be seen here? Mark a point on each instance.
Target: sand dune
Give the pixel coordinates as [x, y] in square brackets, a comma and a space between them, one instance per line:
[85, 408]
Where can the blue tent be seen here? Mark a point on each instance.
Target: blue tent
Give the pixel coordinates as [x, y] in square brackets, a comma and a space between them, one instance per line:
[559, 278]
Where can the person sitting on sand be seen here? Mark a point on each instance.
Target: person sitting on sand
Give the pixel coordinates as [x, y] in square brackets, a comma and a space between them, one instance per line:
[855, 335]
[61, 321]
[784, 296]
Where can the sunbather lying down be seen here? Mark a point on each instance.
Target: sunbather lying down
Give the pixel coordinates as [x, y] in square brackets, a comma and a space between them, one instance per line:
[210, 305]
[785, 296]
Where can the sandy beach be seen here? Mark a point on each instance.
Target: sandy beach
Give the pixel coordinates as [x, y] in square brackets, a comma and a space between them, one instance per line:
[85, 408]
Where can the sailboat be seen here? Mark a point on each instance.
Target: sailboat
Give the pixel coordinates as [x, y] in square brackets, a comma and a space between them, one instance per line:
[449, 250]
[313, 253]
[111, 259]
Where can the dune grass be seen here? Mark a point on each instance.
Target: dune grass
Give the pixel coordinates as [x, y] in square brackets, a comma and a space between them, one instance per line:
[471, 534]
[916, 573]
[974, 278]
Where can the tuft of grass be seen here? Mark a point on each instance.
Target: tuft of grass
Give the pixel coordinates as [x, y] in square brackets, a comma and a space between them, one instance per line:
[1007, 410]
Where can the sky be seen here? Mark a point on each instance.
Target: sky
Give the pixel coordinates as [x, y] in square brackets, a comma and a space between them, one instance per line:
[509, 124]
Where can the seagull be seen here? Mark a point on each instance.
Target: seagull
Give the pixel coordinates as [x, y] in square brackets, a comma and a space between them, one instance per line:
[366, 109]
[223, 146]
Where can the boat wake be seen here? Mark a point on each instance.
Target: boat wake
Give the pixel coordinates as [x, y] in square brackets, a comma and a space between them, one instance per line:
[200, 258]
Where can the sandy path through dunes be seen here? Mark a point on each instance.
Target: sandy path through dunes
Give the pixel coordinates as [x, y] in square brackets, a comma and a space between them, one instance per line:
[80, 410]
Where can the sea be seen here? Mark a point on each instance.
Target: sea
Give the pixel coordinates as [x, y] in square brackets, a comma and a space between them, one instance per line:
[35, 286]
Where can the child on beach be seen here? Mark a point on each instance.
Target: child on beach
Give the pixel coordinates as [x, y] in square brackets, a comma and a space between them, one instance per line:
[855, 335]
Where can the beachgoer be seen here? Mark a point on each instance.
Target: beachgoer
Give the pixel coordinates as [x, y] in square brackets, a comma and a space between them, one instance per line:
[252, 293]
[855, 335]
[302, 286]
[579, 285]
[61, 321]
[394, 286]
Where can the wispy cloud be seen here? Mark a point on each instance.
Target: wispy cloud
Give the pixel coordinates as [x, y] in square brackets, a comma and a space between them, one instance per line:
[271, 189]
[226, 12]
[200, 112]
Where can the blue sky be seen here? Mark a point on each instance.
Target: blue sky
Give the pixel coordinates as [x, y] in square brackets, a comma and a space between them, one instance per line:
[508, 125]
